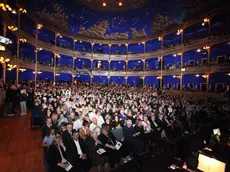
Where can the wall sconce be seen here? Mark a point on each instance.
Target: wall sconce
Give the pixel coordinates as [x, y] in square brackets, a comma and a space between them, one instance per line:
[39, 26]
[179, 31]
[5, 7]
[174, 55]
[22, 10]
[159, 77]
[4, 60]
[179, 54]
[197, 75]
[206, 20]
[58, 35]
[206, 47]
[57, 74]
[57, 55]
[183, 69]
[12, 28]
[37, 72]
[205, 76]
[23, 40]
[160, 38]
[2, 48]
[22, 70]
[143, 42]
[11, 67]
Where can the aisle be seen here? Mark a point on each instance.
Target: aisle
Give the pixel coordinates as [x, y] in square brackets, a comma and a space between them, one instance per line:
[20, 147]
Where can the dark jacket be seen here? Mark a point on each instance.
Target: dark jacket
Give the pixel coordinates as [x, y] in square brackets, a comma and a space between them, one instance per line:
[54, 157]
[72, 152]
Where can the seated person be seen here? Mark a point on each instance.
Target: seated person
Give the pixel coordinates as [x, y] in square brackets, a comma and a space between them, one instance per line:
[109, 142]
[48, 138]
[57, 155]
[130, 137]
[77, 153]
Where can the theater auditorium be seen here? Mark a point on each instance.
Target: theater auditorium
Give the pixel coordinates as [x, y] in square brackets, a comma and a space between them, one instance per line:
[114, 86]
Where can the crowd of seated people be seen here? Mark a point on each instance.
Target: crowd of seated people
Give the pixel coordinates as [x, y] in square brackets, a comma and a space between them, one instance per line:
[81, 120]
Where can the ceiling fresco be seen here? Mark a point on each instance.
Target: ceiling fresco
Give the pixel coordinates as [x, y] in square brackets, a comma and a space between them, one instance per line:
[77, 18]
[133, 19]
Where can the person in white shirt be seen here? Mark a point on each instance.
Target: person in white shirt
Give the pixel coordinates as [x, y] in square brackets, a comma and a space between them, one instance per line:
[100, 119]
[94, 126]
[78, 123]
[92, 114]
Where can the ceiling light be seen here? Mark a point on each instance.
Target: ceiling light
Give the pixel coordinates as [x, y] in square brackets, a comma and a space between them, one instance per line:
[120, 4]
[104, 4]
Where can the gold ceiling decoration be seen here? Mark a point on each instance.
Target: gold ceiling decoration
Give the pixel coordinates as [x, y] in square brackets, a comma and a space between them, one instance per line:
[113, 5]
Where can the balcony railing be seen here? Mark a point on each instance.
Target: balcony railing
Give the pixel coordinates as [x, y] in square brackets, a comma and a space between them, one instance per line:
[188, 70]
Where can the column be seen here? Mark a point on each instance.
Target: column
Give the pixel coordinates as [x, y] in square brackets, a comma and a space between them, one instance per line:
[4, 72]
[4, 64]
[126, 80]
[91, 79]
[4, 29]
[209, 67]
[126, 62]
[109, 61]
[73, 71]
[36, 57]
[55, 59]
[161, 60]
[92, 44]
[181, 72]
[17, 74]
[108, 80]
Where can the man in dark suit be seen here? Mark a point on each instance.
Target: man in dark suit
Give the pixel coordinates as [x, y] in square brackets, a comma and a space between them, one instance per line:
[78, 154]
[67, 134]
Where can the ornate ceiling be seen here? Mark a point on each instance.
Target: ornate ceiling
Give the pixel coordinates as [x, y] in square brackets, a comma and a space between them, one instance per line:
[133, 19]
[113, 5]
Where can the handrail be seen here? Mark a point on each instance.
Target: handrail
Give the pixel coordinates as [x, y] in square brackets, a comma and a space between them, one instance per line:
[188, 70]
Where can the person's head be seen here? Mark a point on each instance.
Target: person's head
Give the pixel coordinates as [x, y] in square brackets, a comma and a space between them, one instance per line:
[105, 130]
[52, 132]
[57, 140]
[138, 123]
[48, 121]
[145, 118]
[69, 127]
[129, 123]
[94, 120]
[85, 124]
[75, 135]
[118, 125]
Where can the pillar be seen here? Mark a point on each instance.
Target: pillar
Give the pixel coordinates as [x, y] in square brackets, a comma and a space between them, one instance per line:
[92, 44]
[181, 72]
[108, 80]
[55, 59]
[74, 58]
[209, 68]
[161, 58]
[17, 75]
[36, 57]
[4, 29]
[4, 72]
[91, 79]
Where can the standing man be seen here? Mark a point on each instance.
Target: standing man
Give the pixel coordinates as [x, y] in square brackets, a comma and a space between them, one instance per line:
[23, 98]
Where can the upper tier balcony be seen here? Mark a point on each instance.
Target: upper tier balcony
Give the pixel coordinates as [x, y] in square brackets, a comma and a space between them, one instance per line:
[188, 70]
